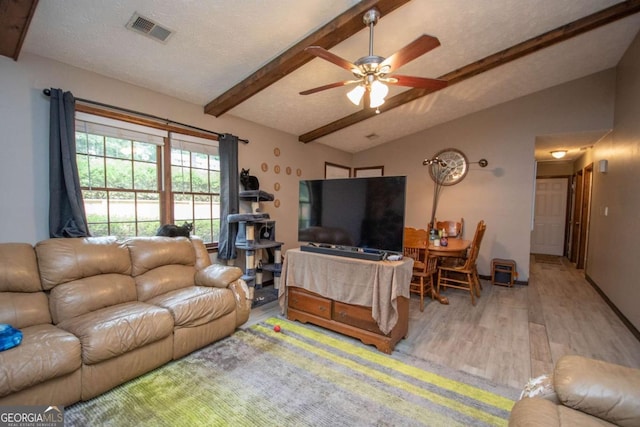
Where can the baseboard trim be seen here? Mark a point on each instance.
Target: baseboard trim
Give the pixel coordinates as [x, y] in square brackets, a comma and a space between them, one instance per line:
[623, 318]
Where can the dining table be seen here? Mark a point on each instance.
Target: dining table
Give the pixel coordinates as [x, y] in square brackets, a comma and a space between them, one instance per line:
[455, 248]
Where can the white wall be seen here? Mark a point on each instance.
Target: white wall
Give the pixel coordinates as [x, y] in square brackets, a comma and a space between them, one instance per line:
[24, 121]
[502, 193]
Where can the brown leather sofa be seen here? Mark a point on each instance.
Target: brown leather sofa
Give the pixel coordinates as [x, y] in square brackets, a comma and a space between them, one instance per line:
[584, 392]
[96, 312]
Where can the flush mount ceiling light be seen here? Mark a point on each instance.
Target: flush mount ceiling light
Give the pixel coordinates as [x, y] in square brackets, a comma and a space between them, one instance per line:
[558, 154]
[372, 72]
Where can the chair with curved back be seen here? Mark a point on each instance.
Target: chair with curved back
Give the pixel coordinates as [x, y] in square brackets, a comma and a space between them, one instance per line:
[451, 228]
[465, 276]
[416, 243]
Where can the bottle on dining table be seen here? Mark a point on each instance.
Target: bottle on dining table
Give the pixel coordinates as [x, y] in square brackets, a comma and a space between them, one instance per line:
[444, 241]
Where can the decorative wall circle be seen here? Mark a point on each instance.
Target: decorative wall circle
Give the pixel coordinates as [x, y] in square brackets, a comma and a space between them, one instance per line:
[288, 170]
[276, 169]
[264, 167]
[276, 186]
[276, 203]
[451, 169]
[276, 152]
[299, 172]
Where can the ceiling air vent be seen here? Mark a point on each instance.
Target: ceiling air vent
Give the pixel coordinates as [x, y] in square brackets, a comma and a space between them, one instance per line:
[149, 28]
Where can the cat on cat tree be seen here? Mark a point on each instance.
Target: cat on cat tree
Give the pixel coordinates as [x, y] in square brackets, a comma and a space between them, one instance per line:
[249, 182]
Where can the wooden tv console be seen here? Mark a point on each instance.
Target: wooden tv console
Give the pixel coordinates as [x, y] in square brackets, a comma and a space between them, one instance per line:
[348, 319]
[313, 284]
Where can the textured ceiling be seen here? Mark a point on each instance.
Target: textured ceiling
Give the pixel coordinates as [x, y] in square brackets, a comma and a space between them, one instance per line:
[217, 44]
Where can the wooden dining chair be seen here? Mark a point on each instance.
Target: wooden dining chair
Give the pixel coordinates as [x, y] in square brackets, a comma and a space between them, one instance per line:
[416, 243]
[465, 276]
[451, 228]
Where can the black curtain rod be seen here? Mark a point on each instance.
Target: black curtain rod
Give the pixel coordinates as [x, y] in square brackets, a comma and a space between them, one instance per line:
[47, 92]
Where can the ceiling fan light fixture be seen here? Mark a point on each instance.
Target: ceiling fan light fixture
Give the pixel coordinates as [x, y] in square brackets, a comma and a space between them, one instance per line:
[558, 154]
[378, 91]
[355, 95]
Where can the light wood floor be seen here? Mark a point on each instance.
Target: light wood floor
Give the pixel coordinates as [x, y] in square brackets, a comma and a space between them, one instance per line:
[513, 334]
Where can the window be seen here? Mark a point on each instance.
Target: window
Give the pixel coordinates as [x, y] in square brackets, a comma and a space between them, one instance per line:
[121, 166]
[195, 182]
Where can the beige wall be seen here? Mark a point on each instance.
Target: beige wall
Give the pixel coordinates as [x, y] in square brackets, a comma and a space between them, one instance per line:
[24, 120]
[554, 169]
[502, 193]
[614, 244]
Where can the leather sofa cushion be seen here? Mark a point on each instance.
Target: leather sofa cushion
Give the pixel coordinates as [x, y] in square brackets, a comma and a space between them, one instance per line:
[88, 294]
[115, 330]
[46, 352]
[148, 253]
[202, 255]
[164, 279]
[217, 275]
[602, 389]
[540, 412]
[20, 309]
[64, 260]
[196, 305]
[18, 268]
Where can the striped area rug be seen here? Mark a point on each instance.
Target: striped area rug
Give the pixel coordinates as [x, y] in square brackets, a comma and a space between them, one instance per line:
[301, 376]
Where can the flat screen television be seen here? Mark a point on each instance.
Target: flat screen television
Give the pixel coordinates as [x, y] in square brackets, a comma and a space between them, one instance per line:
[365, 213]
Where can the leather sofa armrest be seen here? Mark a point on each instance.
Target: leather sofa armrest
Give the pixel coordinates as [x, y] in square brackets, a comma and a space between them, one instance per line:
[224, 276]
[217, 275]
[604, 390]
[244, 300]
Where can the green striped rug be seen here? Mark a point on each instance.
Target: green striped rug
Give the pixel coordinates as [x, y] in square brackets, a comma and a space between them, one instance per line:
[301, 376]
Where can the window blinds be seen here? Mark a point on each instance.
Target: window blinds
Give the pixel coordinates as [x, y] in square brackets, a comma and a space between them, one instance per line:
[194, 144]
[99, 125]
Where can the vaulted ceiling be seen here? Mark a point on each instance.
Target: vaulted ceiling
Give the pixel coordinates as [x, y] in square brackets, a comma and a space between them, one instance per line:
[247, 58]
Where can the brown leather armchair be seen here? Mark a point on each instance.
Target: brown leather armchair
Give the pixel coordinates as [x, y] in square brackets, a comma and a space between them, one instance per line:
[585, 392]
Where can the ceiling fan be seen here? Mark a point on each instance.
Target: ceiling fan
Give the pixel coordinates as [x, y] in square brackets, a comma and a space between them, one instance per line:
[372, 72]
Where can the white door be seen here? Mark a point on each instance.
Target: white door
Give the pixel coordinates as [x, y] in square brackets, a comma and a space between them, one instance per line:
[549, 216]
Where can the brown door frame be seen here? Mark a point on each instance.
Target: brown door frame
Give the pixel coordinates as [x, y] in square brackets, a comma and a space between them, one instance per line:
[575, 217]
[585, 215]
[582, 191]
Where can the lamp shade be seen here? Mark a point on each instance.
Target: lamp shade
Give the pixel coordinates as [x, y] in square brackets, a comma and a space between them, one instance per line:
[378, 92]
[355, 94]
[558, 154]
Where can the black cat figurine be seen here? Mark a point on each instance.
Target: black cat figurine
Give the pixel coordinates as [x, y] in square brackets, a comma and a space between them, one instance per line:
[170, 230]
[249, 182]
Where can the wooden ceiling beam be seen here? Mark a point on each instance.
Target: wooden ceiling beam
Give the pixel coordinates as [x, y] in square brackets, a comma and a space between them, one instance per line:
[334, 32]
[15, 17]
[557, 35]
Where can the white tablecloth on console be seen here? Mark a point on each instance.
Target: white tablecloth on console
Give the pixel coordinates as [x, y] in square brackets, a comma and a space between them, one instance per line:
[375, 284]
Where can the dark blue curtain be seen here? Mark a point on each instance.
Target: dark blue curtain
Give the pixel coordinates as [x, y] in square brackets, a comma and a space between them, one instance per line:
[229, 197]
[67, 217]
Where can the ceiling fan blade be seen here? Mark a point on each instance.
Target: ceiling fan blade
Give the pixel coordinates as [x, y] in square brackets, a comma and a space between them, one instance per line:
[419, 46]
[328, 56]
[417, 82]
[329, 86]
